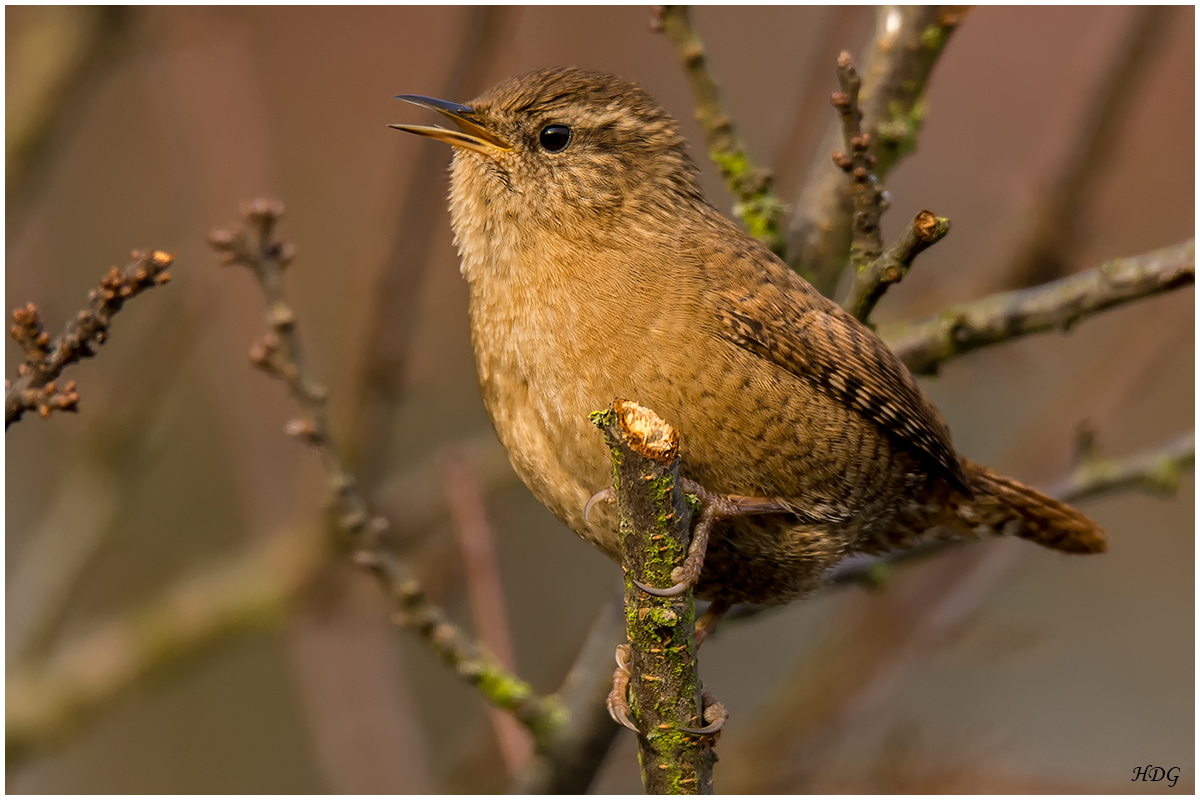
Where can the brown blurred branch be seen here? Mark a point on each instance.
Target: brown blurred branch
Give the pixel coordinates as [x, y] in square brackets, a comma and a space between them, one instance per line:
[757, 207]
[571, 758]
[464, 498]
[35, 386]
[56, 57]
[924, 346]
[49, 700]
[926, 230]
[251, 244]
[1057, 220]
[907, 43]
[1155, 472]
[394, 314]
[883, 632]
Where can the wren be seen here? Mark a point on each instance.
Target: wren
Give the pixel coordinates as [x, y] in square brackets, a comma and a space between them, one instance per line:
[597, 270]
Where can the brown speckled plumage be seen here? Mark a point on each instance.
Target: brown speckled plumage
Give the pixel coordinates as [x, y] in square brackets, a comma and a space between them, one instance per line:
[600, 271]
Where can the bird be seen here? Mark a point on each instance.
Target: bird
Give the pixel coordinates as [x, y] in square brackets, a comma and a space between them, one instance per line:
[597, 269]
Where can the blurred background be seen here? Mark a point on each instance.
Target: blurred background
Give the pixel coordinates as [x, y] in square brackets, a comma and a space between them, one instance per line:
[173, 505]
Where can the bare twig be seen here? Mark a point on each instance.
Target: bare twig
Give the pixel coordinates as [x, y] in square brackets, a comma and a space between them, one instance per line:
[866, 197]
[664, 688]
[35, 386]
[924, 346]
[279, 354]
[907, 43]
[757, 207]
[119, 447]
[926, 230]
[1057, 221]
[465, 501]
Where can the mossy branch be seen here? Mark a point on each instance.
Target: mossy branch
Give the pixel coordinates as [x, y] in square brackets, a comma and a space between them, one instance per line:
[757, 207]
[924, 346]
[655, 519]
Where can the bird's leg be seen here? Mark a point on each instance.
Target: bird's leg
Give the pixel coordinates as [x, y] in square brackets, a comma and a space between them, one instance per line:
[716, 506]
[618, 698]
[708, 621]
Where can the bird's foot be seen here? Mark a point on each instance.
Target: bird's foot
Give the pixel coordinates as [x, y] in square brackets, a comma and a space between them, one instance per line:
[712, 710]
[608, 495]
[618, 698]
[713, 713]
[715, 507]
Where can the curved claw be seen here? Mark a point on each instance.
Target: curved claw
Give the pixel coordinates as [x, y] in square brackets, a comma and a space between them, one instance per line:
[673, 591]
[616, 702]
[620, 717]
[714, 713]
[707, 730]
[607, 495]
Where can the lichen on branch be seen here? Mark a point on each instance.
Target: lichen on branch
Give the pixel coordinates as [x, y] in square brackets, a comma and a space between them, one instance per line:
[655, 515]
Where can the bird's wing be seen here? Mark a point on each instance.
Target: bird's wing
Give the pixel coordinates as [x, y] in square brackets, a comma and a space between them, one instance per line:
[785, 321]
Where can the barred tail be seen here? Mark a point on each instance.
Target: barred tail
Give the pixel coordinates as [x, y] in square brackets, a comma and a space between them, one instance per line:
[1007, 506]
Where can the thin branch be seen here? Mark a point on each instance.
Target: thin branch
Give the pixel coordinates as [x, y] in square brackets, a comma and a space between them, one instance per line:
[1157, 472]
[907, 43]
[464, 498]
[279, 354]
[664, 688]
[757, 207]
[866, 197]
[1058, 219]
[926, 230]
[924, 346]
[35, 386]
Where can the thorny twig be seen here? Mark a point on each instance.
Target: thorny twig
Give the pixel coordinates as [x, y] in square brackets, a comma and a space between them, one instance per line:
[924, 346]
[36, 385]
[750, 185]
[926, 230]
[279, 354]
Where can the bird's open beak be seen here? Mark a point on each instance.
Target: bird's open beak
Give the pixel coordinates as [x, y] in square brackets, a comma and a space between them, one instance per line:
[473, 136]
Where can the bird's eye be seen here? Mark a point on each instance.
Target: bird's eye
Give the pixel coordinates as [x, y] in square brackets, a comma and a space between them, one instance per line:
[555, 138]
